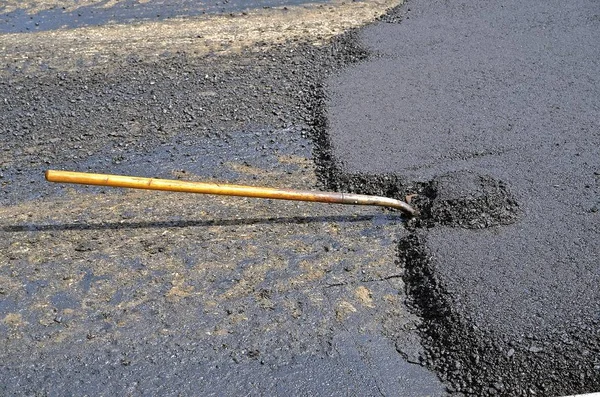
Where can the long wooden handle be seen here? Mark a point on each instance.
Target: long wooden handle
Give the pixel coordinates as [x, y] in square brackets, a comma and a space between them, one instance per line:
[225, 189]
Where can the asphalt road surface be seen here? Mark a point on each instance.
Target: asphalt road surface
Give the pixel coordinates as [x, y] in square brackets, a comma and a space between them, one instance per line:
[495, 106]
[484, 114]
[109, 292]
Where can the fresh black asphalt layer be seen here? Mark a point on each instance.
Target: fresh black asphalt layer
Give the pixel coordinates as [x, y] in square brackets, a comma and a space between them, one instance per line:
[472, 98]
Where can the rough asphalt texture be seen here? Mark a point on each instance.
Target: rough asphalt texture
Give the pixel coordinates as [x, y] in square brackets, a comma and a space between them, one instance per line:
[99, 292]
[105, 292]
[502, 100]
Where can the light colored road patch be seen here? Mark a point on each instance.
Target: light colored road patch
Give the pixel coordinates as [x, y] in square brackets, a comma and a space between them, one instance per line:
[197, 36]
[33, 7]
[99, 262]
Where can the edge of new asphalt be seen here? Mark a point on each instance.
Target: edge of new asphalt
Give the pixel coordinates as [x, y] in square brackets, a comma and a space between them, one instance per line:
[481, 337]
[489, 112]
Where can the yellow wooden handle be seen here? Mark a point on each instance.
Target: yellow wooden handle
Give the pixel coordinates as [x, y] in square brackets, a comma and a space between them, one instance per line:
[225, 189]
